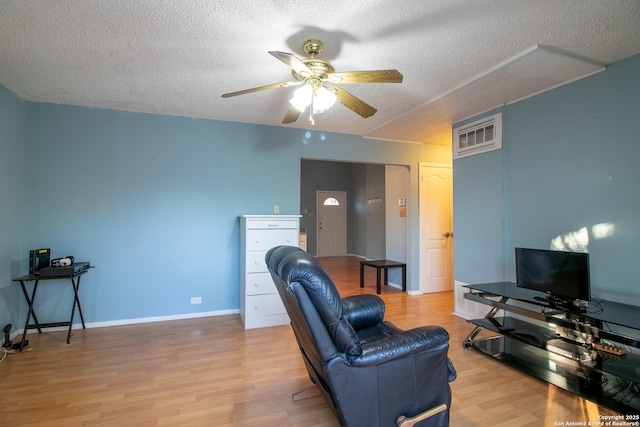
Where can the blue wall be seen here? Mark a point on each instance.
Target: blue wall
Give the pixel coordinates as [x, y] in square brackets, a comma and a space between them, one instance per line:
[568, 178]
[152, 201]
[478, 220]
[12, 117]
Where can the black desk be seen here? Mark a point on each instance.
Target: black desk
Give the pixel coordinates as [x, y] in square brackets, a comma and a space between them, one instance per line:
[75, 283]
[383, 264]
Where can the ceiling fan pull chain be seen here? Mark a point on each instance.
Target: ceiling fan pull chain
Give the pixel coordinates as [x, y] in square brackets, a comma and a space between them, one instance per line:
[311, 119]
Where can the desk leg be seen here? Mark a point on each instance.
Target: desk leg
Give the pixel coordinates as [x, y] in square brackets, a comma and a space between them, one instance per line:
[77, 296]
[362, 274]
[386, 276]
[378, 278]
[76, 302]
[30, 311]
[30, 303]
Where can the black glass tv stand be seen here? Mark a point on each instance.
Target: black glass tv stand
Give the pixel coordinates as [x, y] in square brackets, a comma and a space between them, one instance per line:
[560, 345]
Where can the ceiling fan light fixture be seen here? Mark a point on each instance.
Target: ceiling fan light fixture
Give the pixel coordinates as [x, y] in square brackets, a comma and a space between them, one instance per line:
[323, 99]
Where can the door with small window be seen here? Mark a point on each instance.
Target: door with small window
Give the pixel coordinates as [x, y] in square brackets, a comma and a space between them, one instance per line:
[332, 223]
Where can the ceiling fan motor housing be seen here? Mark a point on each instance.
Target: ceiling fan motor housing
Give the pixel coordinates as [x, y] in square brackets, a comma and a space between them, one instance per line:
[319, 69]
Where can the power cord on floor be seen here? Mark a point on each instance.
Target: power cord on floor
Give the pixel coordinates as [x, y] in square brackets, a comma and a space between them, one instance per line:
[7, 347]
[6, 351]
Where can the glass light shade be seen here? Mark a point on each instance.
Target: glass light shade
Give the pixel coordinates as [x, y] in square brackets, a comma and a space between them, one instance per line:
[323, 100]
[302, 97]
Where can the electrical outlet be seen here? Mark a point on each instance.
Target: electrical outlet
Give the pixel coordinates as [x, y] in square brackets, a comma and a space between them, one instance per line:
[276, 209]
[196, 300]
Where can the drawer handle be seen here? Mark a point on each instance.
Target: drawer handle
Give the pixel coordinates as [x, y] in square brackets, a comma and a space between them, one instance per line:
[256, 284]
[257, 240]
[272, 225]
[256, 262]
[257, 307]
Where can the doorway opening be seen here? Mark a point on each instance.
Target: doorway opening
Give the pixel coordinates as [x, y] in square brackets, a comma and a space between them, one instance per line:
[375, 223]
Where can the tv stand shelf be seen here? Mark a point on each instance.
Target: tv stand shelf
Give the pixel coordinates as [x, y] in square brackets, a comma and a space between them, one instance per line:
[516, 329]
[555, 345]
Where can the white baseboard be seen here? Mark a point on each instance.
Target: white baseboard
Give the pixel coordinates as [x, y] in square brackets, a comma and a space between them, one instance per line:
[158, 318]
[135, 321]
[357, 256]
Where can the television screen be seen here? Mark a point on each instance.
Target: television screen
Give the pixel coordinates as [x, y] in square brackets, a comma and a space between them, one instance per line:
[564, 275]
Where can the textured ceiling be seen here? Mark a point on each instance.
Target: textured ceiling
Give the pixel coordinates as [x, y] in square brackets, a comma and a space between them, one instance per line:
[177, 57]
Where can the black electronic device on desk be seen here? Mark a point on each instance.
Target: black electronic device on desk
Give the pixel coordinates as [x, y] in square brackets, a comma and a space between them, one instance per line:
[39, 258]
[65, 271]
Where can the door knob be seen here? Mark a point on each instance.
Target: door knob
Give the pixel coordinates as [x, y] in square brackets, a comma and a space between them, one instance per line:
[447, 234]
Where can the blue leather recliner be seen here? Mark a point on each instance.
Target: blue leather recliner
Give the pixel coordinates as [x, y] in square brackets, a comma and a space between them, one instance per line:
[371, 373]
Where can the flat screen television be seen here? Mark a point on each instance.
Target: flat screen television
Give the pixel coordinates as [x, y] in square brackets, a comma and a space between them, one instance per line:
[563, 276]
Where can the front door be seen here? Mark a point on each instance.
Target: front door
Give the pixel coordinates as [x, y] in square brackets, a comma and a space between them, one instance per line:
[436, 232]
[332, 223]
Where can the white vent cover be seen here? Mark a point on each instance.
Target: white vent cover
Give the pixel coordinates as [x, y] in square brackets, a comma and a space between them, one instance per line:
[478, 137]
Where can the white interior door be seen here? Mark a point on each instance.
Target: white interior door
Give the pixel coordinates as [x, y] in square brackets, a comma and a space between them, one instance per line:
[436, 230]
[332, 223]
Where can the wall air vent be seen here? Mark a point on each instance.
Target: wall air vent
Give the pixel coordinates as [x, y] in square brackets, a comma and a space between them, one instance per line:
[478, 137]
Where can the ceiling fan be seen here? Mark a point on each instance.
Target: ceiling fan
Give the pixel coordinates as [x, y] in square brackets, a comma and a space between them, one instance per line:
[312, 73]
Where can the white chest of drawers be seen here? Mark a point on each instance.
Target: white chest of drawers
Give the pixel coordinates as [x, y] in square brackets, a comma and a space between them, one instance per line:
[260, 304]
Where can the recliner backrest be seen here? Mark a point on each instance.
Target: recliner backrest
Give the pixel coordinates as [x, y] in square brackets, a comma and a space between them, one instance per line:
[295, 266]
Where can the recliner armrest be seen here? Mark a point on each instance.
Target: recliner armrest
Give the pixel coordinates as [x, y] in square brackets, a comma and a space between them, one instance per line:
[363, 311]
[400, 345]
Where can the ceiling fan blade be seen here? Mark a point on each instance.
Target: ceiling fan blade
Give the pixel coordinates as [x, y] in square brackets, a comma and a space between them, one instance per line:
[296, 65]
[353, 103]
[373, 76]
[259, 88]
[291, 116]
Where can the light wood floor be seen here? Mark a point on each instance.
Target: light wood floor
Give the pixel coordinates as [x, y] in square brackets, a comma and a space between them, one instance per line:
[211, 372]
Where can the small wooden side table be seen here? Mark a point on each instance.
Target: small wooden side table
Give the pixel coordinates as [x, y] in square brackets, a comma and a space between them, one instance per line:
[383, 265]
